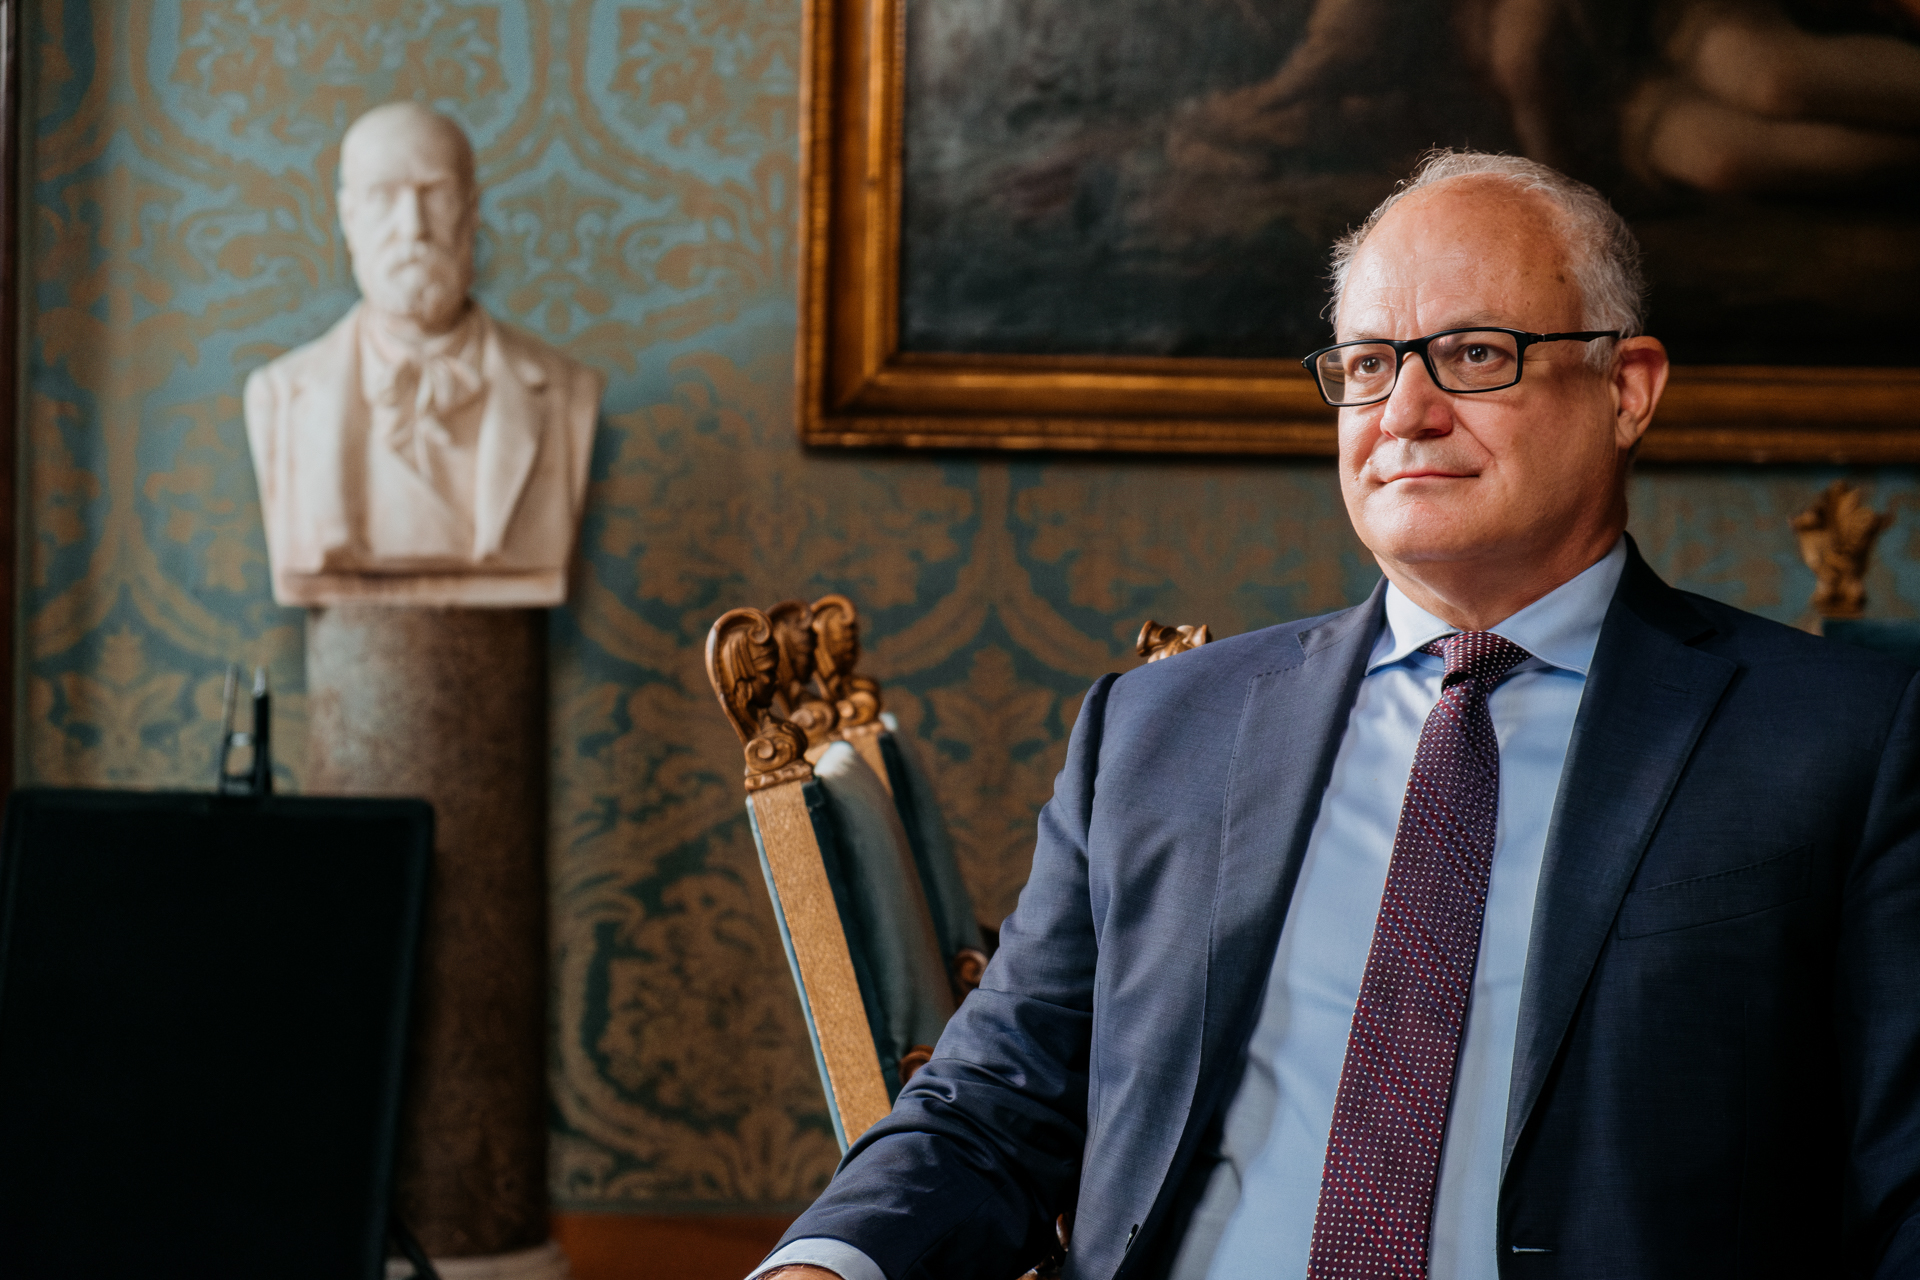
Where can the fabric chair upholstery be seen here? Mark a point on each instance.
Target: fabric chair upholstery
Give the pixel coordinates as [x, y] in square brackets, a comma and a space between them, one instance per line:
[948, 901]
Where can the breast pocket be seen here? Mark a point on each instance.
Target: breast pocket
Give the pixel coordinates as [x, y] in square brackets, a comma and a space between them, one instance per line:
[1724, 895]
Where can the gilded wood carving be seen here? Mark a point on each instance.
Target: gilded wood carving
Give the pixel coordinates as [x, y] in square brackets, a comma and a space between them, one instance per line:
[856, 699]
[1160, 640]
[794, 676]
[836, 624]
[968, 966]
[914, 1059]
[742, 662]
[1836, 536]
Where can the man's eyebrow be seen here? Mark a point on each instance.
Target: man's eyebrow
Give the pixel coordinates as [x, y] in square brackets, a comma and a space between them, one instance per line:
[1472, 320]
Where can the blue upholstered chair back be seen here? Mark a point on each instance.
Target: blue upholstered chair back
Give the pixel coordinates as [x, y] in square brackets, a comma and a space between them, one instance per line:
[877, 894]
[948, 902]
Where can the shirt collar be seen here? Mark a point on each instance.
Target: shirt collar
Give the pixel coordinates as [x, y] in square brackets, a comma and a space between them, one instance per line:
[1561, 628]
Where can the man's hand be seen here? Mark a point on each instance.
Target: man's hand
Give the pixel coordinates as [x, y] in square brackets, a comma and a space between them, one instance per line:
[801, 1272]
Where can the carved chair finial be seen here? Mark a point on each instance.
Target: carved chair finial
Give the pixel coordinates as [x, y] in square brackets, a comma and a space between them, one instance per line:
[836, 626]
[793, 678]
[1836, 536]
[743, 661]
[1159, 641]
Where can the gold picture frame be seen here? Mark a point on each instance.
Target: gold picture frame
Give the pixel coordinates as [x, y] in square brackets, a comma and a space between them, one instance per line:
[858, 388]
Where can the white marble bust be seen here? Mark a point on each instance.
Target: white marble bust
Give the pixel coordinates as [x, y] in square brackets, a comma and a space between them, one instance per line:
[420, 452]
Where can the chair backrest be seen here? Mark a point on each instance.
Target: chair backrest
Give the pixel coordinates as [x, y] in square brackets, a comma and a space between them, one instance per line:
[845, 889]
[823, 639]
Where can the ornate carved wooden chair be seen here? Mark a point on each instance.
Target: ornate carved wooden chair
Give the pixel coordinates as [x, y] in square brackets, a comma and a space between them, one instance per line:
[853, 916]
[847, 829]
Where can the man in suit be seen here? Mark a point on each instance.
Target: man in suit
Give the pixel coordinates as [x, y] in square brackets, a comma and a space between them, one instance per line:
[1532, 918]
[419, 452]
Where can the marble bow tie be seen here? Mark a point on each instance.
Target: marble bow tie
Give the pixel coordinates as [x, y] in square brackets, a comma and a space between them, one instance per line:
[425, 383]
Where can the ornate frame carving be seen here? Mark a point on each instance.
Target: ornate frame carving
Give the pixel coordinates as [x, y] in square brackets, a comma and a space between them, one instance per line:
[857, 388]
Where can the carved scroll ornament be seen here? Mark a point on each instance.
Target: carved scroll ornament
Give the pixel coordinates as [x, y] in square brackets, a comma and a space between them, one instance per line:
[793, 634]
[968, 966]
[743, 663]
[1159, 641]
[836, 626]
[1836, 537]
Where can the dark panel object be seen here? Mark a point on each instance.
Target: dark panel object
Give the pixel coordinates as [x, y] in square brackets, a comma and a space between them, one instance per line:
[203, 1007]
[9, 356]
[1897, 636]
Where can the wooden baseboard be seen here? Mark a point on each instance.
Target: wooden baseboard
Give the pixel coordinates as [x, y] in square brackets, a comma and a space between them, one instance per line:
[637, 1246]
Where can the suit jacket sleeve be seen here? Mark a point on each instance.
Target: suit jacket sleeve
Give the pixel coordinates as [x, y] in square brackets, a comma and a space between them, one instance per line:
[982, 1150]
[1879, 1009]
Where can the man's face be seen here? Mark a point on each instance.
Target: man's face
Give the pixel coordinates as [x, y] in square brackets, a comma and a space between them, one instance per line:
[409, 216]
[1500, 476]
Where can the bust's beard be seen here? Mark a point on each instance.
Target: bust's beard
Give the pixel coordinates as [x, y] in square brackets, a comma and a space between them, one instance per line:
[422, 282]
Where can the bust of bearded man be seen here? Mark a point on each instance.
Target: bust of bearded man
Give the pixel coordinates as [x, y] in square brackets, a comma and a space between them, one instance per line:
[420, 452]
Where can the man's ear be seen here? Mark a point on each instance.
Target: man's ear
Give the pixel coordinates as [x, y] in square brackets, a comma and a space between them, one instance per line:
[1639, 377]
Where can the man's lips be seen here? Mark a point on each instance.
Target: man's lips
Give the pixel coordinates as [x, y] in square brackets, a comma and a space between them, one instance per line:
[1425, 473]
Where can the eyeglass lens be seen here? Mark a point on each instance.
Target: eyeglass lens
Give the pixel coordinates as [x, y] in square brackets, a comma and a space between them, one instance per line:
[1474, 360]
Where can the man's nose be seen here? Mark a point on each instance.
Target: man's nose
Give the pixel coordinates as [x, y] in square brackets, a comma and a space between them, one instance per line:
[409, 216]
[1417, 408]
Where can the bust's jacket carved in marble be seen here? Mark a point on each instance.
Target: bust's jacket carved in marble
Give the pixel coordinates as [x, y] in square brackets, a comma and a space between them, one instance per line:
[419, 452]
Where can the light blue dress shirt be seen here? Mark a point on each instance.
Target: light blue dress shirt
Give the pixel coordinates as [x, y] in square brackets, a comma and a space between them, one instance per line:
[1255, 1217]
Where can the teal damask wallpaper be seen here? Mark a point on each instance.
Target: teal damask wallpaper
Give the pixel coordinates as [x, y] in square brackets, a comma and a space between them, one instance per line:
[640, 162]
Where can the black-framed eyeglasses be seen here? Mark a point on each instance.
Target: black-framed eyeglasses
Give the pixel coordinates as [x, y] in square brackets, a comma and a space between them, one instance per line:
[1463, 361]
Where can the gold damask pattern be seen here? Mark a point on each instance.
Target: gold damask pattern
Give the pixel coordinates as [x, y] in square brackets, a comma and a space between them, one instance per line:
[639, 161]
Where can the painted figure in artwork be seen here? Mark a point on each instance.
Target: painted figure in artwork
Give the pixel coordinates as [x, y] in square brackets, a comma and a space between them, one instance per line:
[420, 452]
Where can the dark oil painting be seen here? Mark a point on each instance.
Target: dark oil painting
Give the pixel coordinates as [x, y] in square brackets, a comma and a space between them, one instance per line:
[1164, 177]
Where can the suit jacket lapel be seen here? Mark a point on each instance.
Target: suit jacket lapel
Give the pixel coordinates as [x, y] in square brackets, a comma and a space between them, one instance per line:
[1648, 696]
[509, 440]
[1290, 732]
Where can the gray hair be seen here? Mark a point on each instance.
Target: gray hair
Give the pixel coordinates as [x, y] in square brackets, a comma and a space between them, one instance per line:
[1606, 256]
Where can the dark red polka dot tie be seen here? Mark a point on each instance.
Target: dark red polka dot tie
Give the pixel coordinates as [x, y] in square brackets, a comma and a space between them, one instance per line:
[1383, 1154]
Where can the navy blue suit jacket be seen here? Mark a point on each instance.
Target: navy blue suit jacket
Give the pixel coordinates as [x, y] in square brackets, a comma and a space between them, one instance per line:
[1717, 1069]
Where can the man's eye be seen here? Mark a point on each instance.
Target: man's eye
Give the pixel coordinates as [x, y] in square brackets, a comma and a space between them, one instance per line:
[1479, 353]
[1367, 365]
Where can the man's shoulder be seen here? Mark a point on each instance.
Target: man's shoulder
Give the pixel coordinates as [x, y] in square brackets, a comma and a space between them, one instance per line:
[1224, 666]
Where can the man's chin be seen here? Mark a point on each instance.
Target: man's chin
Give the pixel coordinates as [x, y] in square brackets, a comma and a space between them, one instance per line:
[1416, 531]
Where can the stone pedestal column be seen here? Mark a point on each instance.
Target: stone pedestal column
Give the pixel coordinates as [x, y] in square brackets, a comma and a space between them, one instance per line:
[451, 705]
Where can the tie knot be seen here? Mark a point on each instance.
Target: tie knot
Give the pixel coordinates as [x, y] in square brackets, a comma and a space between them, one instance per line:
[1477, 655]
